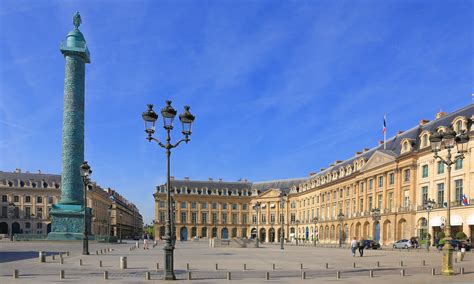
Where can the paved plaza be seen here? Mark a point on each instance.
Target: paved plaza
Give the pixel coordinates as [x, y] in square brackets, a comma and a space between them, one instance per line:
[202, 261]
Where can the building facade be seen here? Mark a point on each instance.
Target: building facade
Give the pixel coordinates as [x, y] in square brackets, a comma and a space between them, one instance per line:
[126, 220]
[337, 203]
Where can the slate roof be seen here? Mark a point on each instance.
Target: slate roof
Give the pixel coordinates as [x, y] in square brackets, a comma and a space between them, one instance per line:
[209, 184]
[37, 178]
[282, 184]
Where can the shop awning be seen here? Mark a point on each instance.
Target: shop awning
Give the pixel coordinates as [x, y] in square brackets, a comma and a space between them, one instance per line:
[456, 220]
[470, 219]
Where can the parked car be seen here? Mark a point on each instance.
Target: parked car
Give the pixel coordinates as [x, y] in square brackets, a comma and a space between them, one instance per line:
[402, 244]
[455, 244]
[371, 244]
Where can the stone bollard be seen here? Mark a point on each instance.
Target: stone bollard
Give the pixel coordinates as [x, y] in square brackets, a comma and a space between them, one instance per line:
[106, 275]
[301, 266]
[338, 274]
[401, 263]
[157, 266]
[377, 264]
[137, 245]
[273, 266]
[61, 274]
[267, 275]
[229, 276]
[423, 263]
[187, 266]
[326, 265]
[190, 276]
[371, 273]
[303, 275]
[96, 252]
[461, 270]
[217, 266]
[245, 267]
[15, 273]
[67, 253]
[433, 271]
[353, 265]
[61, 260]
[123, 262]
[42, 256]
[100, 263]
[402, 272]
[80, 262]
[147, 275]
[54, 257]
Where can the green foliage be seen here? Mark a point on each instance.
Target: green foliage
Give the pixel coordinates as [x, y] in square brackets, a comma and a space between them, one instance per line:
[461, 236]
[441, 235]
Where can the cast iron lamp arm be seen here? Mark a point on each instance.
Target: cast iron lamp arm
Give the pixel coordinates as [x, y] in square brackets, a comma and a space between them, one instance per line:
[179, 142]
[150, 138]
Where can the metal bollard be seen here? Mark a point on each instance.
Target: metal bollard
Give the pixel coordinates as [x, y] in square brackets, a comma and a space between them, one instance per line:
[15, 273]
[229, 276]
[371, 273]
[106, 275]
[67, 253]
[303, 275]
[267, 275]
[423, 263]
[217, 266]
[61, 274]
[54, 258]
[189, 275]
[433, 271]
[245, 267]
[61, 260]
[157, 266]
[123, 262]
[401, 263]
[147, 275]
[96, 252]
[402, 272]
[338, 274]
[301, 266]
[353, 265]
[187, 266]
[273, 266]
[80, 262]
[327, 265]
[461, 270]
[377, 264]
[100, 263]
[42, 256]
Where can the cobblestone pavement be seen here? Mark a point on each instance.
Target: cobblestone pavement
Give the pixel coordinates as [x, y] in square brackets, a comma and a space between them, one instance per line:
[202, 260]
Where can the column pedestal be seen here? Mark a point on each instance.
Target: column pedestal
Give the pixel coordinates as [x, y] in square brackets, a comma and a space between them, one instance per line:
[68, 222]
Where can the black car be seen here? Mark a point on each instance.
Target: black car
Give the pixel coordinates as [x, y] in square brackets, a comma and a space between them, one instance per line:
[456, 244]
[371, 244]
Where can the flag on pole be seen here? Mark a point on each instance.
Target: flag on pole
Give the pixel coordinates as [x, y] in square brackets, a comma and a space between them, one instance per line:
[384, 130]
[464, 200]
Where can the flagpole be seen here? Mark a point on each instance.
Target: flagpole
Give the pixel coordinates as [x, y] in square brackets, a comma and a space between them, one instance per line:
[385, 132]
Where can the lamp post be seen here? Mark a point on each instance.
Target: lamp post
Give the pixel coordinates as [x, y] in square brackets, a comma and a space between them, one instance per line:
[282, 220]
[315, 221]
[11, 215]
[85, 173]
[256, 207]
[297, 222]
[340, 218]
[120, 226]
[428, 206]
[376, 218]
[440, 141]
[187, 119]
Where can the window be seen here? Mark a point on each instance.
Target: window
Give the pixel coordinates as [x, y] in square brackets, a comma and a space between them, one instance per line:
[390, 200]
[379, 201]
[39, 212]
[203, 205]
[458, 164]
[183, 205]
[272, 218]
[39, 199]
[244, 218]
[424, 171]
[193, 205]
[28, 225]
[39, 225]
[183, 217]
[293, 204]
[214, 218]
[162, 204]
[214, 205]
[234, 206]
[264, 218]
[245, 206]
[406, 175]
[4, 212]
[244, 232]
[193, 217]
[27, 199]
[424, 194]
[406, 198]
[370, 203]
[224, 206]
[458, 188]
[234, 218]
[27, 212]
[254, 219]
[50, 200]
[4, 198]
[424, 141]
[441, 194]
[204, 232]
[293, 217]
[440, 167]
[380, 181]
[371, 184]
[162, 216]
[361, 205]
[362, 187]
[458, 126]
[16, 198]
[204, 217]
[224, 218]
[340, 193]
[391, 178]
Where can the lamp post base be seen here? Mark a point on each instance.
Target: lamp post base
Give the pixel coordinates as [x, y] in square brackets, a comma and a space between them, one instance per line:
[169, 262]
[447, 268]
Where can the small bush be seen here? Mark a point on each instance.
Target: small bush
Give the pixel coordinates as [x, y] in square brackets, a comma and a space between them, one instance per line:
[441, 235]
[460, 236]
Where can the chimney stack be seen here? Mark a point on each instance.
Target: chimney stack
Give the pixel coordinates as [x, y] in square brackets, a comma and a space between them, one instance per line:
[17, 171]
[312, 174]
[424, 121]
[380, 142]
[186, 178]
[358, 153]
[399, 132]
[171, 178]
[210, 179]
[322, 169]
[440, 114]
[366, 149]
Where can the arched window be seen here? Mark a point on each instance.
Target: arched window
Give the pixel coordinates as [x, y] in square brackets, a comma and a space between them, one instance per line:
[458, 126]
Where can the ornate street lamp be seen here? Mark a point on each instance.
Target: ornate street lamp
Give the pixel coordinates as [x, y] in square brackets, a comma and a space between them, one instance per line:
[149, 117]
[282, 220]
[256, 207]
[340, 218]
[297, 222]
[85, 173]
[429, 204]
[440, 141]
[376, 218]
[315, 221]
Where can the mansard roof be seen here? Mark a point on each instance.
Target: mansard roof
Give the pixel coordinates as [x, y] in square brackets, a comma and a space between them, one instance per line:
[281, 184]
[28, 179]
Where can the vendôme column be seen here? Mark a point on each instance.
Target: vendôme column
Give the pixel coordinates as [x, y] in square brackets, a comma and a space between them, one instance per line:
[67, 216]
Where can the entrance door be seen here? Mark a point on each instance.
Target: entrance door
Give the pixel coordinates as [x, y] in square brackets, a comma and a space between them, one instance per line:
[307, 233]
[15, 228]
[183, 234]
[224, 233]
[4, 228]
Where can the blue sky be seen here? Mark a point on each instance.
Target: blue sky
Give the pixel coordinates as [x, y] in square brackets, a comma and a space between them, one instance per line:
[279, 88]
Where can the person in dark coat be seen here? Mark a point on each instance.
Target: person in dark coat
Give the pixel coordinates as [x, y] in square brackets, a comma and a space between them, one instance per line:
[361, 247]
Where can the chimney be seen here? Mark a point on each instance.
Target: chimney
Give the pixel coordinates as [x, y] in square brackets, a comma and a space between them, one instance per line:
[322, 169]
[399, 132]
[312, 174]
[17, 171]
[424, 121]
[366, 149]
[171, 178]
[338, 161]
[210, 179]
[186, 178]
[220, 179]
[380, 142]
[39, 171]
[440, 114]
[358, 153]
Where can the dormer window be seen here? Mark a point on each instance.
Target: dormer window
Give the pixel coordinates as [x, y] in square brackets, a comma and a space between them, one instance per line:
[424, 141]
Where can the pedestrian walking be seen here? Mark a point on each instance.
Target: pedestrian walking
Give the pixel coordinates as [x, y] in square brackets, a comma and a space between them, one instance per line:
[361, 247]
[145, 241]
[354, 245]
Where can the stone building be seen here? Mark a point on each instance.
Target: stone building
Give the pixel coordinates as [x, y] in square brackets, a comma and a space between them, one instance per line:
[396, 178]
[126, 220]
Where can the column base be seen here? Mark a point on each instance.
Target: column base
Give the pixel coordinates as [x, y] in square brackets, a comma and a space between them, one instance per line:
[67, 222]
